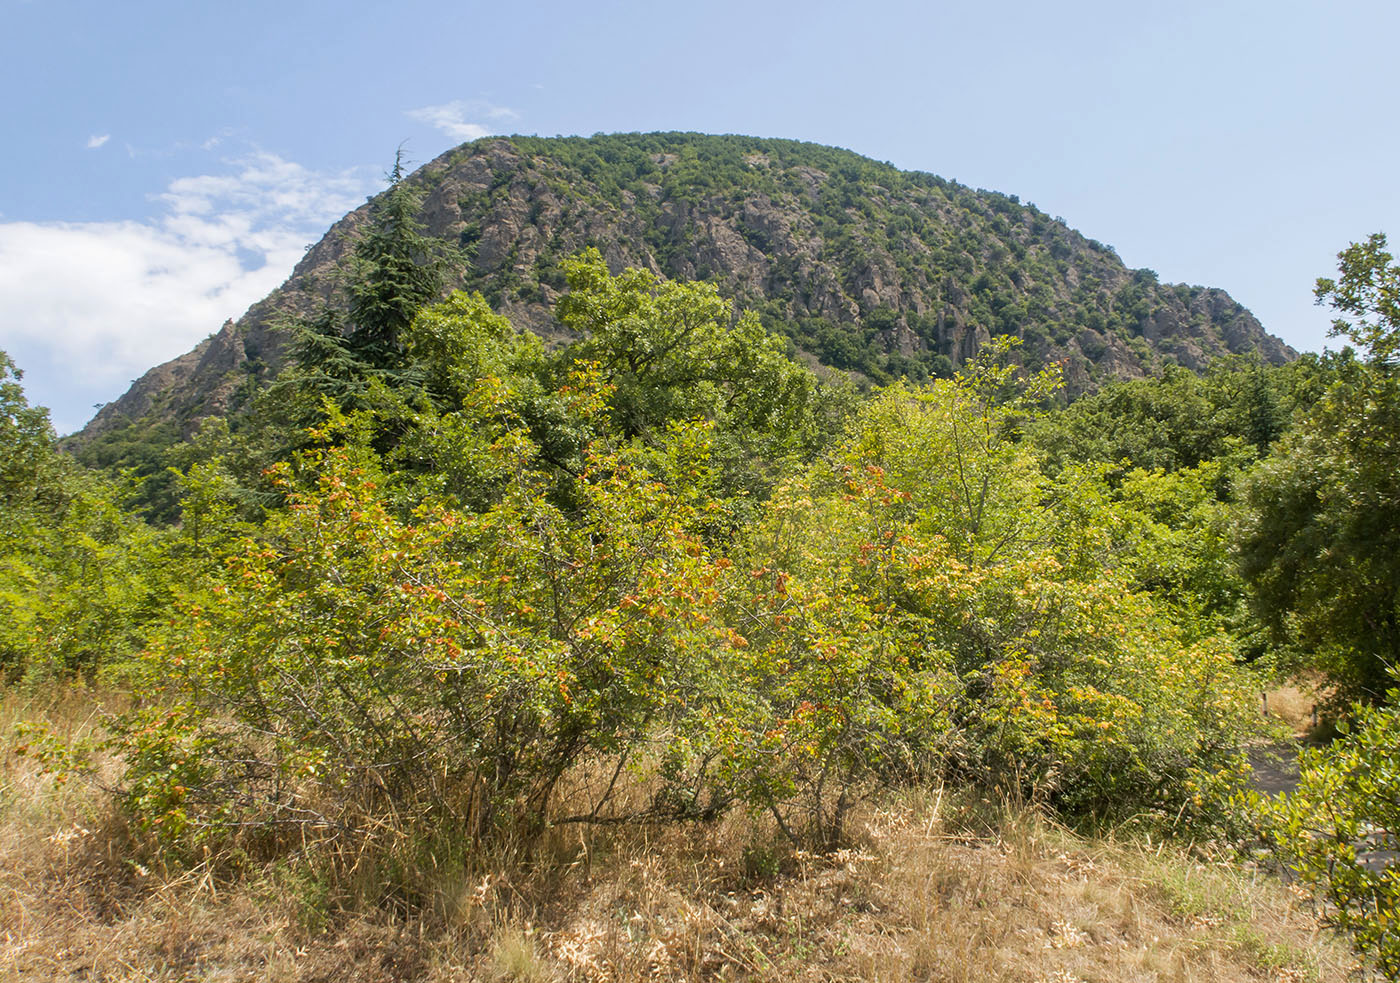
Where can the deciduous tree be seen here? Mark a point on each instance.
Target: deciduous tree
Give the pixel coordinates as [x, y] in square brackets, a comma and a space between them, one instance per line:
[1320, 544]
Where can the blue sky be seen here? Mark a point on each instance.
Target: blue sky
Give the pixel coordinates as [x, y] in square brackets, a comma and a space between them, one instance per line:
[169, 161]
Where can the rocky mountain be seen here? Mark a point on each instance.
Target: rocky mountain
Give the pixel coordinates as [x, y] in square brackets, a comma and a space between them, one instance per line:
[864, 267]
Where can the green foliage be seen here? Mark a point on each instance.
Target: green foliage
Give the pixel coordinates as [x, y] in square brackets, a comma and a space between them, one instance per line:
[1173, 540]
[1320, 542]
[474, 367]
[139, 453]
[395, 270]
[664, 551]
[456, 344]
[351, 665]
[1181, 420]
[1368, 295]
[1177, 449]
[1340, 830]
[674, 351]
[79, 577]
[33, 477]
[931, 603]
[926, 601]
[341, 351]
[1077, 685]
[325, 365]
[80, 592]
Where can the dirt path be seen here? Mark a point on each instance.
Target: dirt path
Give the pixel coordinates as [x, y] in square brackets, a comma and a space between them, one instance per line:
[1275, 767]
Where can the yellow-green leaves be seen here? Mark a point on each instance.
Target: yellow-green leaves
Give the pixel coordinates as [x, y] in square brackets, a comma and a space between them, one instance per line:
[1340, 829]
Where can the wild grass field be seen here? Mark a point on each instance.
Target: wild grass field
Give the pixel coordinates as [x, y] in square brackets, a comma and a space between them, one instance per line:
[932, 885]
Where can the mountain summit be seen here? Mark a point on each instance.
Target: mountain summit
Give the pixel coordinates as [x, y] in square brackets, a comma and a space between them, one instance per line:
[864, 267]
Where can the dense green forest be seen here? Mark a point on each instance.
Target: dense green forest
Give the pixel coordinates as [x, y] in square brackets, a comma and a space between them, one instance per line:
[411, 586]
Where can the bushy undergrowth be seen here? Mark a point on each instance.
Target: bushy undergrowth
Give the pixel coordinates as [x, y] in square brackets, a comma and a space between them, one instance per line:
[920, 603]
[1339, 831]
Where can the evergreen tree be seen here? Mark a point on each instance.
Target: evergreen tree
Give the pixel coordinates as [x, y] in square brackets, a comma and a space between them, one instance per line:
[394, 271]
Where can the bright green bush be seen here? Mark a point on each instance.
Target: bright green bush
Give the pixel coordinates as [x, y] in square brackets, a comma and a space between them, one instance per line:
[351, 666]
[929, 600]
[80, 577]
[1340, 831]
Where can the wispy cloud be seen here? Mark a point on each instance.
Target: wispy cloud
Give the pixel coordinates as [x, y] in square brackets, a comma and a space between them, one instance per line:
[216, 139]
[86, 306]
[96, 141]
[464, 119]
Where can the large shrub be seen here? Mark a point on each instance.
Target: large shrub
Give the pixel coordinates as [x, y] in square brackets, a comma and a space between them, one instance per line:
[928, 599]
[352, 666]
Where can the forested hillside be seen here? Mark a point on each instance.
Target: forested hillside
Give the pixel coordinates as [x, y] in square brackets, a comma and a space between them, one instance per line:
[858, 265]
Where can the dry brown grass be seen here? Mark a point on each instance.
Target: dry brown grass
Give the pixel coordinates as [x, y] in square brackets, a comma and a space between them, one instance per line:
[923, 898]
[1300, 705]
[925, 891]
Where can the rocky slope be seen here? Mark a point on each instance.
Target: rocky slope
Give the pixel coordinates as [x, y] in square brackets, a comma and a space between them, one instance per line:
[865, 267]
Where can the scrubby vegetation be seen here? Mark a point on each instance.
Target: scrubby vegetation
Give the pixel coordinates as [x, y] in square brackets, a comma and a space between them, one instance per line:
[461, 633]
[929, 885]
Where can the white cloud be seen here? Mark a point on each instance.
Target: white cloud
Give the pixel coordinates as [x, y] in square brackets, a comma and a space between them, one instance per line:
[87, 306]
[458, 118]
[96, 141]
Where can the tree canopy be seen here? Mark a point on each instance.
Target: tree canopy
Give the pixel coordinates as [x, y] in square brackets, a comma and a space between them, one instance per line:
[1320, 543]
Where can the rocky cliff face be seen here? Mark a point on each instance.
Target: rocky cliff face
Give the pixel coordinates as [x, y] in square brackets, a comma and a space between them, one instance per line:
[864, 267]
